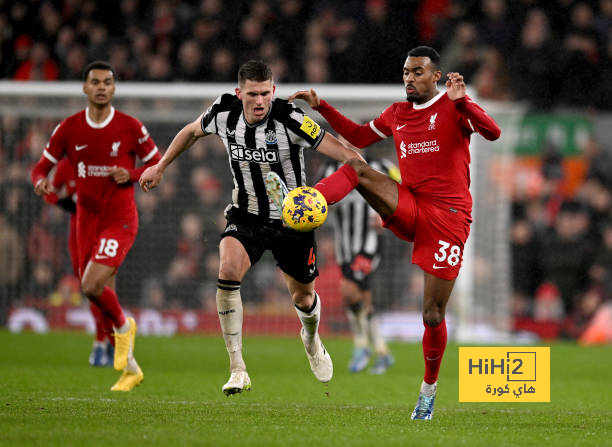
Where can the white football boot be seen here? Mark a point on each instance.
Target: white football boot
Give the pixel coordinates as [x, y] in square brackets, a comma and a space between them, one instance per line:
[320, 361]
[238, 382]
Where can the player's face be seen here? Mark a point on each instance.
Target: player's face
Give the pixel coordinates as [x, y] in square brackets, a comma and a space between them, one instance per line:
[256, 98]
[420, 79]
[99, 87]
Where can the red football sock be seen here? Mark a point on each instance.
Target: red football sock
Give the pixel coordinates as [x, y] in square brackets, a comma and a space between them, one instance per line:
[107, 328]
[434, 343]
[110, 307]
[339, 184]
[97, 315]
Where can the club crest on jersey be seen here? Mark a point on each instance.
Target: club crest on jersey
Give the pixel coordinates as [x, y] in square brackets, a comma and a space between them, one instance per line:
[115, 149]
[270, 137]
[432, 121]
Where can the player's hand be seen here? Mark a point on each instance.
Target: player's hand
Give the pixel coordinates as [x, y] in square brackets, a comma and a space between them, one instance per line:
[310, 97]
[119, 175]
[455, 86]
[43, 187]
[150, 178]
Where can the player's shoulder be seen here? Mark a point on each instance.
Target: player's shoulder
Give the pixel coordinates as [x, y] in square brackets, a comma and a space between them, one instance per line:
[283, 108]
[125, 118]
[225, 102]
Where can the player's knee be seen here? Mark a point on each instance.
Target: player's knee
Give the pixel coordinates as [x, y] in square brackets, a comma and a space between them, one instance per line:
[433, 317]
[303, 300]
[92, 288]
[229, 271]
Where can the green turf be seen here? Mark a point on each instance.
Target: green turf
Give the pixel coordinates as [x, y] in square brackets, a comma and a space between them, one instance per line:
[50, 396]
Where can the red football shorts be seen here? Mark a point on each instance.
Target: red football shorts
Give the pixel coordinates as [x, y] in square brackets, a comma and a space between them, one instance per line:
[104, 240]
[439, 233]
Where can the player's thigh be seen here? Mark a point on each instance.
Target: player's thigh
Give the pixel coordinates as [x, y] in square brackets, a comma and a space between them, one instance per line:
[113, 244]
[403, 221]
[440, 238]
[234, 260]
[379, 190]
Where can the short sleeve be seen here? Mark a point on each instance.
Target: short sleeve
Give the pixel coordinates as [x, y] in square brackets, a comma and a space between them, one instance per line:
[208, 122]
[304, 131]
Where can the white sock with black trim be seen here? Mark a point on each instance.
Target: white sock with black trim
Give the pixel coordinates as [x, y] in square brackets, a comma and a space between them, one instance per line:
[310, 318]
[229, 308]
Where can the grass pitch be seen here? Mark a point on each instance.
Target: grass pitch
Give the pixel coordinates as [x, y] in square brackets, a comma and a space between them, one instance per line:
[50, 396]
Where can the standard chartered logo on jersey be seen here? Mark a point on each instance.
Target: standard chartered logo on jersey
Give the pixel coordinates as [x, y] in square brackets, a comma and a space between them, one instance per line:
[421, 147]
[259, 155]
[84, 170]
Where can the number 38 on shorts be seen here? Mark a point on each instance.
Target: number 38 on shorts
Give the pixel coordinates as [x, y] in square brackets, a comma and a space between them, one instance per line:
[448, 253]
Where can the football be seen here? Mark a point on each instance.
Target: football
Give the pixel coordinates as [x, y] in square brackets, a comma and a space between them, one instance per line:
[304, 209]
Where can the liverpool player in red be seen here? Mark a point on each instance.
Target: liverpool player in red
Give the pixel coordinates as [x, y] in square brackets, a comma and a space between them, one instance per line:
[64, 195]
[432, 206]
[102, 144]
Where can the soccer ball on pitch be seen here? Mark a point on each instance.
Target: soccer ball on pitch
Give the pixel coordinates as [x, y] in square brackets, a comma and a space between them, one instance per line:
[304, 209]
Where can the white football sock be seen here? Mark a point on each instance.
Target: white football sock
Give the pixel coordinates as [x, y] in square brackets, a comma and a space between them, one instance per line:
[358, 322]
[376, 339]
[310, 320]
[229, 308]
[429, 389]
[123, 329]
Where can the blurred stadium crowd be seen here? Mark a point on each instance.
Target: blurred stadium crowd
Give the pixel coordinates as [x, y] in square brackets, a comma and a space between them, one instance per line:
[548, 53]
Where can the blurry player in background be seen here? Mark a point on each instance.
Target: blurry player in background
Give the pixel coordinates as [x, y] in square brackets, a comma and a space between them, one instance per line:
[262, 135]
[64, 195]
[432, 206]
[102, 145]
[356, 236]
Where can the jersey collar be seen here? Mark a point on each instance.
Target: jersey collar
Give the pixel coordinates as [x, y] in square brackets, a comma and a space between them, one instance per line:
[265, 118]
[428, 103]
[103, 123]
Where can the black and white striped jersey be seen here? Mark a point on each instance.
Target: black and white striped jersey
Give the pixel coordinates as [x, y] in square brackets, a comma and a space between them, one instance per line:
[274, 144]
[354, 221]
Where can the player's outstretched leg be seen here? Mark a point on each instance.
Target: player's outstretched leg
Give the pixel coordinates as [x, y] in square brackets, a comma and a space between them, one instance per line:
[425, 405]
[238, 382]
[276, 189]
[318, 357]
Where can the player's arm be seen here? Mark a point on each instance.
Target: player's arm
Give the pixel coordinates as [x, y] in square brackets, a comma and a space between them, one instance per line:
[334, 148]
[183, 140]
[53, 152]
[358, 135]
[477, 118]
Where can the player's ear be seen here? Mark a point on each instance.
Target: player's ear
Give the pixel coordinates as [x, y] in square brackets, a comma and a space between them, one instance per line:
[238, 93]
[437, 75]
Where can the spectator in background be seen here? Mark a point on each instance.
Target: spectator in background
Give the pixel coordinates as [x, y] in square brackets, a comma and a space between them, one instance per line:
[566, 255]
[534, 64]
[190, 67]
[496, 27]
[524, 246]
[12, 265]
[39, 66]
[462, 52]
[491, 80]
[223, 65]
[74, 63]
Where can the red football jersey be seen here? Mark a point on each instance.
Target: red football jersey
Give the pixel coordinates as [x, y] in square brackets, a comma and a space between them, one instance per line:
[432, 145]
[92, 149]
